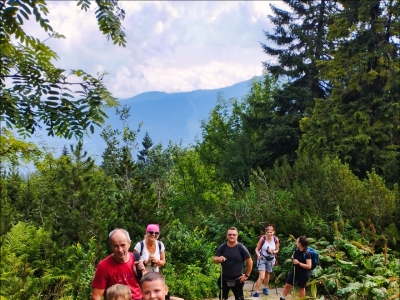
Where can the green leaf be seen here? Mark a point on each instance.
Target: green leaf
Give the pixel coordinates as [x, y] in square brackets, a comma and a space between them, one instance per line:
[350, 288]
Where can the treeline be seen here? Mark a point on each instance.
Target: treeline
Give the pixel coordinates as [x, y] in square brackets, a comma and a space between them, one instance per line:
[313, 148]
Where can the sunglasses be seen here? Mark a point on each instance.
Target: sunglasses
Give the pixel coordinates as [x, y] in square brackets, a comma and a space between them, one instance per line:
[153, 232]
[233, 234]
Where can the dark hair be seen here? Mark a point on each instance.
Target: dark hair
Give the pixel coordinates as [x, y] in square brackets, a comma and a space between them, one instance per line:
[303, 241]
[152, 276]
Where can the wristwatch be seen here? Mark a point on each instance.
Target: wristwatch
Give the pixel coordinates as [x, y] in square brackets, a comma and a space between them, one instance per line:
[246, 275]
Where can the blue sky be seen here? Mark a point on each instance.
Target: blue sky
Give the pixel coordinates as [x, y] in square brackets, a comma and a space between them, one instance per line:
[172, 46]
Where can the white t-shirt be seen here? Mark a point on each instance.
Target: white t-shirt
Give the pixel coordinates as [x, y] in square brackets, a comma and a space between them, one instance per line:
[268, 244]
[146, 254]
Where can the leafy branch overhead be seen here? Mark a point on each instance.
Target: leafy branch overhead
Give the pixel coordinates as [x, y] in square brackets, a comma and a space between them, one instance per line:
[35, 92]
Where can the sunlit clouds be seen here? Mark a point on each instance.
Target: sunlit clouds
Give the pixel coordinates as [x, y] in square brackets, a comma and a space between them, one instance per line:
[172, 46]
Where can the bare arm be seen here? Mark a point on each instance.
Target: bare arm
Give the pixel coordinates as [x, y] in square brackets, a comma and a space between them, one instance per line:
[97, 294]
[249, 266]
[219, 259]
[258, 248]
[276, 248]
[161, 261]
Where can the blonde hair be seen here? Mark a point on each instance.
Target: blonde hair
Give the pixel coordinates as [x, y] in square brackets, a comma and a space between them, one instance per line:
[119, 292]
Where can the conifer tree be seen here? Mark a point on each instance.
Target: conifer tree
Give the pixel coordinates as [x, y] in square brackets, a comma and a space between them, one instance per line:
[300, 39]
[147, 143]
[360, 121]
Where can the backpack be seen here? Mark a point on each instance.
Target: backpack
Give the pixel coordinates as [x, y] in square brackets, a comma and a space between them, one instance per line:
[138, 273]
[263, 237]
[159, 248]
[275, 241]
[142, 245]
[314, 257]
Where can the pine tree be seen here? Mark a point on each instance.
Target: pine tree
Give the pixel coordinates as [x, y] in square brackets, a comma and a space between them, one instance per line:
[300, 36]
[360, 121]
[147, 143]
[65, 151]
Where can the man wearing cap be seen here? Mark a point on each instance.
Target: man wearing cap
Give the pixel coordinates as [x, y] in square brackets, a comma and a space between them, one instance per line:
[118, 267]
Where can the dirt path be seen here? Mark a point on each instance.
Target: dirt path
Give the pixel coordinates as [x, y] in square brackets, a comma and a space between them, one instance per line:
[248, 293]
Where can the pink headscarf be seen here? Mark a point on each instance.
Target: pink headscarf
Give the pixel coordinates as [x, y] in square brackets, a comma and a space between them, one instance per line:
[153, 227]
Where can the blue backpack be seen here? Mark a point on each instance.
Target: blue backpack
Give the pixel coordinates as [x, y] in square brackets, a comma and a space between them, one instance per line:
[314, 257]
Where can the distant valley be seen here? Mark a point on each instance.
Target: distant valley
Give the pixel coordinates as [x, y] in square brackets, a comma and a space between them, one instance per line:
[174, 117]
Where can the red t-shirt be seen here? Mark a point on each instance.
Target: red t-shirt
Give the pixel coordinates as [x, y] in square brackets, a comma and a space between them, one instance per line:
[110, 272]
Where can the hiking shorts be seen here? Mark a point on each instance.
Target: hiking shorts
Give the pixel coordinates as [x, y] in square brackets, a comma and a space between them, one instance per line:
[301, 278]
[264, 265]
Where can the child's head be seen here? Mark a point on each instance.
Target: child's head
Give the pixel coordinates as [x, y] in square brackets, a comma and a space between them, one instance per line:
[119, 292]
[153, 286]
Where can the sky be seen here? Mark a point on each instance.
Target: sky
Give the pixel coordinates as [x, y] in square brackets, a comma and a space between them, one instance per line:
[172, 46]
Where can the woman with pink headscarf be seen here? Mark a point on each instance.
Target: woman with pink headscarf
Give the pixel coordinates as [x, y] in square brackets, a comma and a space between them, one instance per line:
[151, 251]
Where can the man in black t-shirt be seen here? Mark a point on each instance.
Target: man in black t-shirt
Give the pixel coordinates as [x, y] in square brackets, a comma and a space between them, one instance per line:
[231, 255]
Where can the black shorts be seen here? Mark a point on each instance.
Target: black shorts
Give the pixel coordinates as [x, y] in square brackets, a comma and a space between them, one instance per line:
[301, 278]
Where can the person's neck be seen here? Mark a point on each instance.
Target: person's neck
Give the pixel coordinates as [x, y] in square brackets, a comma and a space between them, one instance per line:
[150, 242]
[122, 261]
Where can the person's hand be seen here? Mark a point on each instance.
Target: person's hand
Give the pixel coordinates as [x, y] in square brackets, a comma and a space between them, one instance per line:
[222, 259]
[260, 257]
[243, 278]
[140, 265]
[295, 261]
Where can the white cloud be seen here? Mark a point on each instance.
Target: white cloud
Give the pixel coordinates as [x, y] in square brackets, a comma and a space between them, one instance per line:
[173, 46]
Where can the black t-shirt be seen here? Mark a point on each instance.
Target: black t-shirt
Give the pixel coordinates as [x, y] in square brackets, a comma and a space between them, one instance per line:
[232, 268]
[302, 257]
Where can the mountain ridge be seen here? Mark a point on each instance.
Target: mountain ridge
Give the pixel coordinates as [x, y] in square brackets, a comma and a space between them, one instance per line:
[166, 117]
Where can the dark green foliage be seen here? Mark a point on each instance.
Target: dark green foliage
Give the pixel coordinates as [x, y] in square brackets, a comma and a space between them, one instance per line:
[360, 121]
[190, 255]
[147, 143]
[246, 172]
[226, 145]
[300, 37]
[133, 197]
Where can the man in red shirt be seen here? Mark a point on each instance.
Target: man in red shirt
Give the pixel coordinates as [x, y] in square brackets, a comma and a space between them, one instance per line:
[118, 267]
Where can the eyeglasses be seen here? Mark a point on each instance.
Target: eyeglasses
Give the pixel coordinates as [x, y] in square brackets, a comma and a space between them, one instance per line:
[152, 232]
[232, 234]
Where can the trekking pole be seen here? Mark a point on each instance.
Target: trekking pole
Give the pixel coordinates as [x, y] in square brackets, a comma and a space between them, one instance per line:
[221, 282]
[252, 289]
[294, 278]
[276, 289]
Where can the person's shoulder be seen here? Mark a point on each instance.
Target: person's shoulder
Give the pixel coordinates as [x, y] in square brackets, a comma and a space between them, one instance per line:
[105, 262]
[221, 246]
[240, 245]
[138, 246]
[276, 239]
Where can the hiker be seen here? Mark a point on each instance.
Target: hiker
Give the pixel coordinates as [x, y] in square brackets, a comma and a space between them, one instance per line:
[302, 263]
[118, 267]
[266, 249]
[232, 255]
[119, 292]
[153, 286]
[152, 251]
